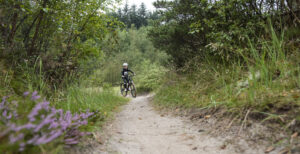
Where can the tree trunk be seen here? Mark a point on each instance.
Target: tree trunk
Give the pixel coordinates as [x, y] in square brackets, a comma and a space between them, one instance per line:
[26, 35]
[13, 28]
[37, 28]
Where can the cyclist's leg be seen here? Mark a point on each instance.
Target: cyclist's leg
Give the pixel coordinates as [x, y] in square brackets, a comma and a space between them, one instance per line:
[125, 83]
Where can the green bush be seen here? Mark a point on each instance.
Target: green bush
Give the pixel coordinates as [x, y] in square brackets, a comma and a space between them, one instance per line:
[266, 84]
[133, 46]
[150, 76]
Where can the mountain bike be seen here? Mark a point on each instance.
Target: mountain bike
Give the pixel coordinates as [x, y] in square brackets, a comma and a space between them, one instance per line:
[129, 87]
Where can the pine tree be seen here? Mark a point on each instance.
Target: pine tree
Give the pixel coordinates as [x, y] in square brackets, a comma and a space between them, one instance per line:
[142, 10]
[126, 18]
[134, 17]
[142, 13]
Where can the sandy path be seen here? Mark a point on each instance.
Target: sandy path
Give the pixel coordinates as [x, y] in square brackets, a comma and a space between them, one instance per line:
[139, 129]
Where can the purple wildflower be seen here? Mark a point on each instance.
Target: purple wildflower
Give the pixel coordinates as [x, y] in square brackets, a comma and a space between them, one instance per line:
[4, 113]
[22, 146]
[13, 139]
[45, 105]
[26, 93]
[33, 140]
[34, 93]
[53, 125]
[46, 121]
[2, 104]
[49, 123]
[34, 112]
[35, 96]
[15, 103]
[71, 141]
[84, 122]
[40, 140]
[19, 128]
[54, 135]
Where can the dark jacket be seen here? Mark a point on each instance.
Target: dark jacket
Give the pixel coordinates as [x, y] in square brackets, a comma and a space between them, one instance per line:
[125, 70]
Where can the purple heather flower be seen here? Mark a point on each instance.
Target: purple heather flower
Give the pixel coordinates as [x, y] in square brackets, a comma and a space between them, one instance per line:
[34, 93]
[53, 125]
[22, 146]
[15, 103]
[54, 135]
[35, 96]
[40, 140]
[26, 93]
[49, 123]
[84, 133]
[34, 112]
[26, 126]
[85, 122]
[46, 121]
[4, 99]
[33, 140]
[4, 113]
[9, 116]
[45, 105]
[71, 141]
[76, 117]
[15, 113]
[1, 105]
[13, 139]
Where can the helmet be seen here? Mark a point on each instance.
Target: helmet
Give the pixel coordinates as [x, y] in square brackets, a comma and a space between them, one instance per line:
[125, 65]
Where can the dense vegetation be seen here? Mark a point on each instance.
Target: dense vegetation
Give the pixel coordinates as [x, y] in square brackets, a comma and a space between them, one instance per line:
[238, 55]
[58, 38]
[135, 16]
[241, 56]
[221, 29]
[132, 46]
[52, 47]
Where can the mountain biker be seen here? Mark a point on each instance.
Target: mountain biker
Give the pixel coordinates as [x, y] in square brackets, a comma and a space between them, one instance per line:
[125, 74]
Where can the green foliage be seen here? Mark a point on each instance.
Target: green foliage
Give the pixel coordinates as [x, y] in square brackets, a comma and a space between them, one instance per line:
[189, 28]
[268, 84]
[51, 45]
[138, 17]
[150, 77]
[104, 100]
[133, 47]
[64, 35]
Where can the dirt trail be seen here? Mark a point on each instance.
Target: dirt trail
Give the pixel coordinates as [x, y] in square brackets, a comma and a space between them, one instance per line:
[139, 129]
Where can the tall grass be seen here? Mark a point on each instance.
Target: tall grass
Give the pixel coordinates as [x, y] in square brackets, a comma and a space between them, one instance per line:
[78, 99]
[265, 80]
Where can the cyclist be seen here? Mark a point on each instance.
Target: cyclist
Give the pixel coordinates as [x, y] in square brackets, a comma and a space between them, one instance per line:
[125, 74]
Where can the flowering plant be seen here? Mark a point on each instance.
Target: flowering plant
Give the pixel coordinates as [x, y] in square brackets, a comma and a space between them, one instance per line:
[41, 125]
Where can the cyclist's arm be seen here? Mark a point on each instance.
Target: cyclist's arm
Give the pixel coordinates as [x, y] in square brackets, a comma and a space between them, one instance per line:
[122, 74]
[131, 71]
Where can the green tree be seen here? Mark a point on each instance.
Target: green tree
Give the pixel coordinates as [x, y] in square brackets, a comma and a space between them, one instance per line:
[142, 14]
[219, 29]
[62, 34]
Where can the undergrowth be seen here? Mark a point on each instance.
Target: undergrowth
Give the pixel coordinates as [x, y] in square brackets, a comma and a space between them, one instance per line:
[102, 102]
[264, 82]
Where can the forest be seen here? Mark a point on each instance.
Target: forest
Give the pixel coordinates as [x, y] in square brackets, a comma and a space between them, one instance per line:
[60, 64]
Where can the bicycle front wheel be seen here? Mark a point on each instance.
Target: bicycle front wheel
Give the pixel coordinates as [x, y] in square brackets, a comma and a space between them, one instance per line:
[133, 90]
[122, 89]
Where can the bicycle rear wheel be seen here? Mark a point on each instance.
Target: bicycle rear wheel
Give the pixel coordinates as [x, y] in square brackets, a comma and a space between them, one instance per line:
[133, 90]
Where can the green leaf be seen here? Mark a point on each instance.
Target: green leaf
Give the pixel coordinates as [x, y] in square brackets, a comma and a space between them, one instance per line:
[45, 10]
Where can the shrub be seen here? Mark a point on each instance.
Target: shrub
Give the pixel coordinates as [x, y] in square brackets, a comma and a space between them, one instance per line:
[24, 131]
[150, 76]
